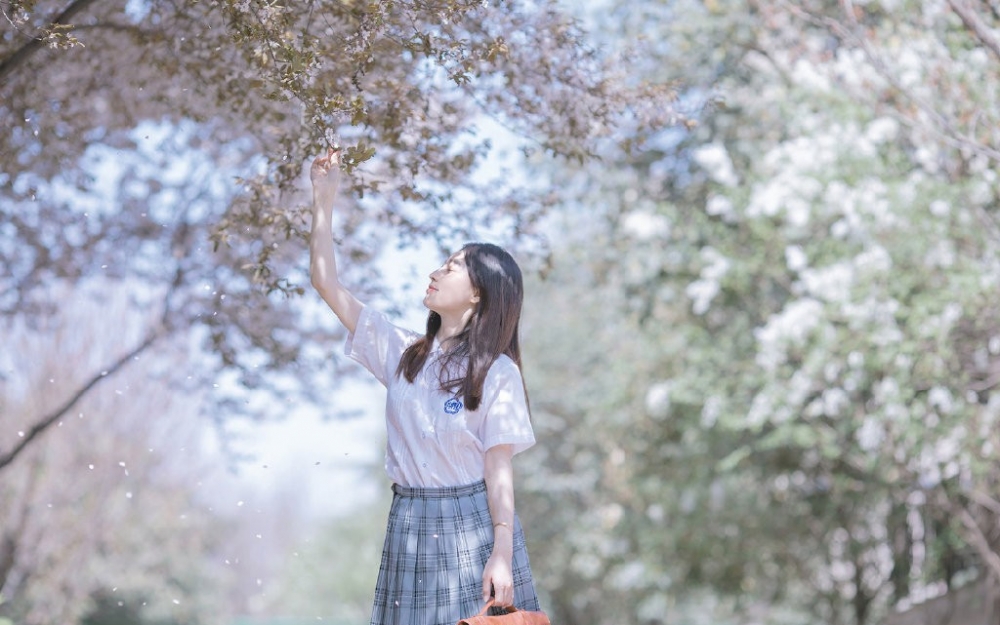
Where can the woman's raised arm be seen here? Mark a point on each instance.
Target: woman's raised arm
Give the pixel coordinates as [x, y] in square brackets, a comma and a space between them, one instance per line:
[325, 176]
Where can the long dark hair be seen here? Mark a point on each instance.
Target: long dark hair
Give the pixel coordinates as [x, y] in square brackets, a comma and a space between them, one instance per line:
[491, 331]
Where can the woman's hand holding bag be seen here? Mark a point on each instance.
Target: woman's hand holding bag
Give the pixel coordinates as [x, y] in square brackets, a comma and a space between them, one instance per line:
[512, 617]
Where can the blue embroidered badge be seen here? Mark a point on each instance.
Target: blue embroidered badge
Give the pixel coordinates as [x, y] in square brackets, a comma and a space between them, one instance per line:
[453, 405]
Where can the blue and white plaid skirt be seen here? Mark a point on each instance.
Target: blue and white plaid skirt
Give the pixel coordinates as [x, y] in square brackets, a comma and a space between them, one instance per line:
[436, 546]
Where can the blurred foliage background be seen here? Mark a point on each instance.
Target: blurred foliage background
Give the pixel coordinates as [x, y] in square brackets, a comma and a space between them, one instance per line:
[762, 330]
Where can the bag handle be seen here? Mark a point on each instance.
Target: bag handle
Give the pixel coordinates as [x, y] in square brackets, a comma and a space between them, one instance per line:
[489, 604]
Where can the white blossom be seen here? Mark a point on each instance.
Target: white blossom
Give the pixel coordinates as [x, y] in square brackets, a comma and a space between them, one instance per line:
[805, 74]
[720, 206]
[981, 193]
[761, 410]
[714, 159]
[882, 130]
[940, 208]
[792, 190]
[629, 575]
[646, 225]
[791, 327]
[853, 70]
[941, 398]
[701, 292]
[710, 411]
[831, 283]
[795, 258]
[798, 389]
[856, 359]
[941, 254]
[587, 565]
[871, 434]
[840, 229]
[658, 399]
[875, 259]
[835, 401]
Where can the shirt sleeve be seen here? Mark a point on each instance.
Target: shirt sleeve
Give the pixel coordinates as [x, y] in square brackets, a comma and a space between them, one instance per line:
[506, 418]
[378, 344]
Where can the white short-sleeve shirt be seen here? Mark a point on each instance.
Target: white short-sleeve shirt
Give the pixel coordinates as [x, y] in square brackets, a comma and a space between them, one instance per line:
[433, 441]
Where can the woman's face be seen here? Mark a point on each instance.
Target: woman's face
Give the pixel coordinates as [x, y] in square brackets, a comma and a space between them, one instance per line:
[450, 293]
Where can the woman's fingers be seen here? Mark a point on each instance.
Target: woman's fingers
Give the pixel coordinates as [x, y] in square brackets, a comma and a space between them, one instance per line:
[497, 578]
[319, 165]
[332, 157]
[503, 595]
[324, 164]
[327, 166]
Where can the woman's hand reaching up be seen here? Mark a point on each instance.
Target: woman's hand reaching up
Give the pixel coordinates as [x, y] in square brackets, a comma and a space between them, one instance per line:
[325, 176]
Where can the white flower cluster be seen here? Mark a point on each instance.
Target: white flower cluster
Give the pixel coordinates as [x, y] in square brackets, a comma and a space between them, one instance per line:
[702, 291]
[876, 317]
[714, 159]
[658, 399]
[646, 226]
[791, 327]
[721, 206]
[831, 283]
[871, 434]
[943, 460]
[792, 188]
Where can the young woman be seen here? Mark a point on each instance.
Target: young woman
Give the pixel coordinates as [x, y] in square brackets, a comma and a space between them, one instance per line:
[456, 413]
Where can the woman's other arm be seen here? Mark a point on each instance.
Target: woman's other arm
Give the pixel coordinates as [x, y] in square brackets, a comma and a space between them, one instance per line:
[499, 475]
[325, 176]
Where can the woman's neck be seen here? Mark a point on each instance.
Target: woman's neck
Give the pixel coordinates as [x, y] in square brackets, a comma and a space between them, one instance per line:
[451, 328]
[446, 339]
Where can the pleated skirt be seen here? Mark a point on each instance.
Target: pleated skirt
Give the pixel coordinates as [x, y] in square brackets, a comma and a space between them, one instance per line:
[437, 543]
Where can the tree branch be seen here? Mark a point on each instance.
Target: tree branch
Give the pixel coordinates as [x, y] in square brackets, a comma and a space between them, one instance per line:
[22, 54]
[944, 127]
[986, 384]
[985, 501]
[47, 422]
[11, 537]
[972, 21]
[979, 541]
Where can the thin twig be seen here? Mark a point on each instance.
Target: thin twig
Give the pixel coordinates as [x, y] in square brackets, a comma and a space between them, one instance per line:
[986, 501]
[943, 127]
[52, 418]
[979, 541]
[972, 21]
[22, 54]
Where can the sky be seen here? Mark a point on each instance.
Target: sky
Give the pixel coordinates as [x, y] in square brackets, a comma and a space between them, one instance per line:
[327, 465]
